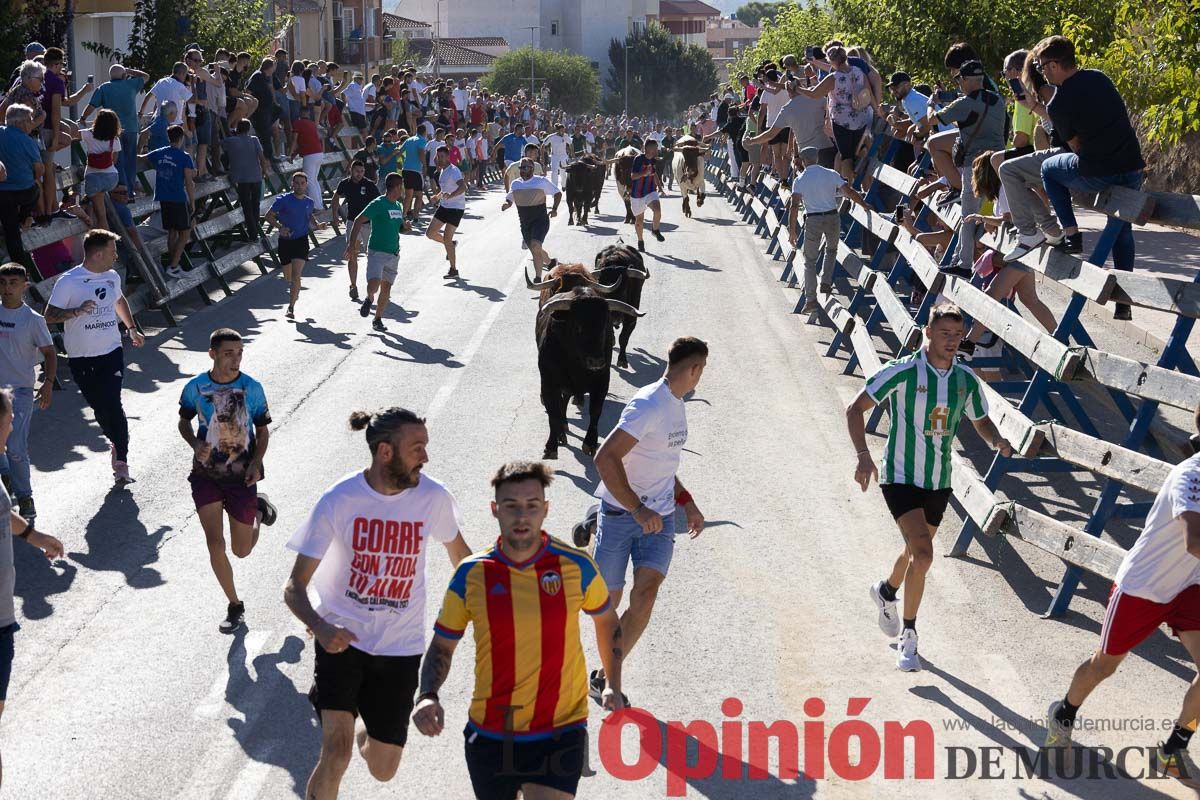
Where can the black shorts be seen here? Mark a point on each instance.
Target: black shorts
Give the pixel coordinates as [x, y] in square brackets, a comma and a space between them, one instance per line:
[450, 216]
[847, 140]
[378, 688]
[293, 249]
[6, 657]
[175, 216]
[902, 498]
[781, 137]
[412, 180]
[536, 230]
[358, 120]
[499, 767]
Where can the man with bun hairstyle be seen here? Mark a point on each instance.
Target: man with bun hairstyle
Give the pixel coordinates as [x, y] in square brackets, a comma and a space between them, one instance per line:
[362, 552]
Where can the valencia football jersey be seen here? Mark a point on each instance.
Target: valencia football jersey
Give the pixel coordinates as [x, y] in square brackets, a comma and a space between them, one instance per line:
[530, 675]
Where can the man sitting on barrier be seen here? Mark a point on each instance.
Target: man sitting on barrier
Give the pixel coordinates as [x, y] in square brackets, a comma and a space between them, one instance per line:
[817, 187]
[929, 391]
[1158, 581]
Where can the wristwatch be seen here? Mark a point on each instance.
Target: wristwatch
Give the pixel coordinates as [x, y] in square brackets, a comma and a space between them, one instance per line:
[428, 696]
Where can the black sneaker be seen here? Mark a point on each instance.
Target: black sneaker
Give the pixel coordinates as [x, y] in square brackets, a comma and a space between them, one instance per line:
[378, 325]
[354, 293]
[1072, 245]
[234, 618]
[658, 235]
[451, 274]
[27, 508]
[596, 685]
[365, 309]
[267, 510]
[641, 246]
[966, 348]
[581, 534]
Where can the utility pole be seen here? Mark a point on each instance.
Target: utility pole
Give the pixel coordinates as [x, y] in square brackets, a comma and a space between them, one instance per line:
[532, 47]
[626, 81]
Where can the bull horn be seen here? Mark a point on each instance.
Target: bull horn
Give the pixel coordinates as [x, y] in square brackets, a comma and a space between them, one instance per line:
[637, 274]
[608, 288]
[540, 284]
[556, 303]
[623, 308]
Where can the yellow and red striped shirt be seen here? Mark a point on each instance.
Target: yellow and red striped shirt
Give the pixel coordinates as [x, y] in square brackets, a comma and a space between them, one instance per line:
[530, 674]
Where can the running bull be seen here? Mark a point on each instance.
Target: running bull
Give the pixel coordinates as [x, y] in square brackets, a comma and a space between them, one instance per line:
[623, 173]
[585, 182]
[688, 164]
[574, 335]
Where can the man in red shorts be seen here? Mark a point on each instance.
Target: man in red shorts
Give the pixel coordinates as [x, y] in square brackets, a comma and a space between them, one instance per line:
[1159, 581]
[228, 447]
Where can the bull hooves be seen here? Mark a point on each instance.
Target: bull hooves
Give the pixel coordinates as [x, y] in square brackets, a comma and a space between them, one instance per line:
[700, 200]
[622, 362]
[577, 401]
[550, 455]
[562, 438]
[589, 449]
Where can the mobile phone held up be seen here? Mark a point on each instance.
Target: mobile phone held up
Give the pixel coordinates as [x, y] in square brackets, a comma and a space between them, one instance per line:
[1018, 88]
[91, 79]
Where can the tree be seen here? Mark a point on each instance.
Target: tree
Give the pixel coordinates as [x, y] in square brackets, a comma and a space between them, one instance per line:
[402, 52]
[665, 74]
[573, 83]
[26, 21]
[751, 13]
[794, 28]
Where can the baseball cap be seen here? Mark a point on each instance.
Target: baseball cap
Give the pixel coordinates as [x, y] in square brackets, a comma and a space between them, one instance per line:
[35, 48]
[971, 69]
[810, 154]
[899, 78]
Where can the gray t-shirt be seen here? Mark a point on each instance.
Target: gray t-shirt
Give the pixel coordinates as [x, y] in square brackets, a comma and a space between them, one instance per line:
[22, 332]
[8, 573]
[806, 117]
[244, 152]
[981, 118]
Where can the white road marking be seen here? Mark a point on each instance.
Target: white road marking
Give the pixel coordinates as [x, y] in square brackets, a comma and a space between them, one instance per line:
[214, 702]
[443, 394]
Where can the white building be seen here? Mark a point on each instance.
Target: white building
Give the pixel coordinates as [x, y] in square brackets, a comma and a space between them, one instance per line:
[586, 27]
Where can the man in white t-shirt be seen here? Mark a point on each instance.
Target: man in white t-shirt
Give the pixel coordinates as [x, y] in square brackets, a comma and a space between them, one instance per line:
[356, 103]
[640, 489]
[172, 89]
[88, 300]
[1158, 581]
[559, 144]
[452, 204]
[362, 549]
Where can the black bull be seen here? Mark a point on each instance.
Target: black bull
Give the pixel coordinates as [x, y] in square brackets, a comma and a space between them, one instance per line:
[623, 266]
[585, 182]
[574, 332]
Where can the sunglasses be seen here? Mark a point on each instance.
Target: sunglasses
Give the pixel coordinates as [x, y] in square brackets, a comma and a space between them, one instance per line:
[1038, 63]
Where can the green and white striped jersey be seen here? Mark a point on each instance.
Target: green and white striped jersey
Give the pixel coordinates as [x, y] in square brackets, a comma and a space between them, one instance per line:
[927, 404]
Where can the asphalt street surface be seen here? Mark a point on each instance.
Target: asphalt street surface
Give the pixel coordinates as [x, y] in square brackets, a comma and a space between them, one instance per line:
[124, 688]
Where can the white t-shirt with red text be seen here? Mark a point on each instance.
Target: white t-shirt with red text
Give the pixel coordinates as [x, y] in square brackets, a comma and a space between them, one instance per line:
[372, 547]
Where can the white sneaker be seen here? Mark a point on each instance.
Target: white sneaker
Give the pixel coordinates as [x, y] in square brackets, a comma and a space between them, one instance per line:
[1025, 245]
[906, 651]
[1057, 734]
[174, 273]
[889, 619]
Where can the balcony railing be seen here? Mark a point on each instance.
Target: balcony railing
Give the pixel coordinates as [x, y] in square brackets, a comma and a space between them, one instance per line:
[353, 51]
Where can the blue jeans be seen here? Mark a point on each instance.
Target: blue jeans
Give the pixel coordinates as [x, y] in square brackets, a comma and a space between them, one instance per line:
[1060, 174]
[15, 461]
[620, 539]
[127, 161]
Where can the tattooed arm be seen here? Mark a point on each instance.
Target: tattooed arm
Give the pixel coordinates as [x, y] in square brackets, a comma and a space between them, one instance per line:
[54, 314]
[429, 717]
[609, 642]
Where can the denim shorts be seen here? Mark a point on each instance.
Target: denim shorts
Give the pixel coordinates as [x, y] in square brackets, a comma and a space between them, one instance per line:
[620, 539]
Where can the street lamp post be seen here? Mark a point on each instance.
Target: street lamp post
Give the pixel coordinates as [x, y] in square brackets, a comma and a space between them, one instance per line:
[532, 47]
[626, 81]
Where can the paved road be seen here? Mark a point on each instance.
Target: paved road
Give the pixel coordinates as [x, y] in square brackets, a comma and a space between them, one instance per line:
[123, 687]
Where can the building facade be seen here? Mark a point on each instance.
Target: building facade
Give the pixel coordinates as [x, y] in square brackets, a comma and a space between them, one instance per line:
[729, 38]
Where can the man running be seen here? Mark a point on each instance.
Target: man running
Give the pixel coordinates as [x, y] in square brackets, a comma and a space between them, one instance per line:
[536, 745]
[358, 191]
[297, 217]
[639, 490]
[228, 448]
[386, 217]
[88, 301]
[559, 144]
[528, 192]
[513, 145]
[1158, 581]
[413, 152]
[452, 204]
[930, 391]
[643, 191]
[362, 549]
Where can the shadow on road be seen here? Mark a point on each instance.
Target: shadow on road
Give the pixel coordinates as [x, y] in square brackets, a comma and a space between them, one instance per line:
[417, 352]
[486, 292]
[38, 579]
[279, 728]
[119, 542]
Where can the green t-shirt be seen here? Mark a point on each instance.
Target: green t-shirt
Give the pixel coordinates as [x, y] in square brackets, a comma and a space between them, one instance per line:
[386, 218]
